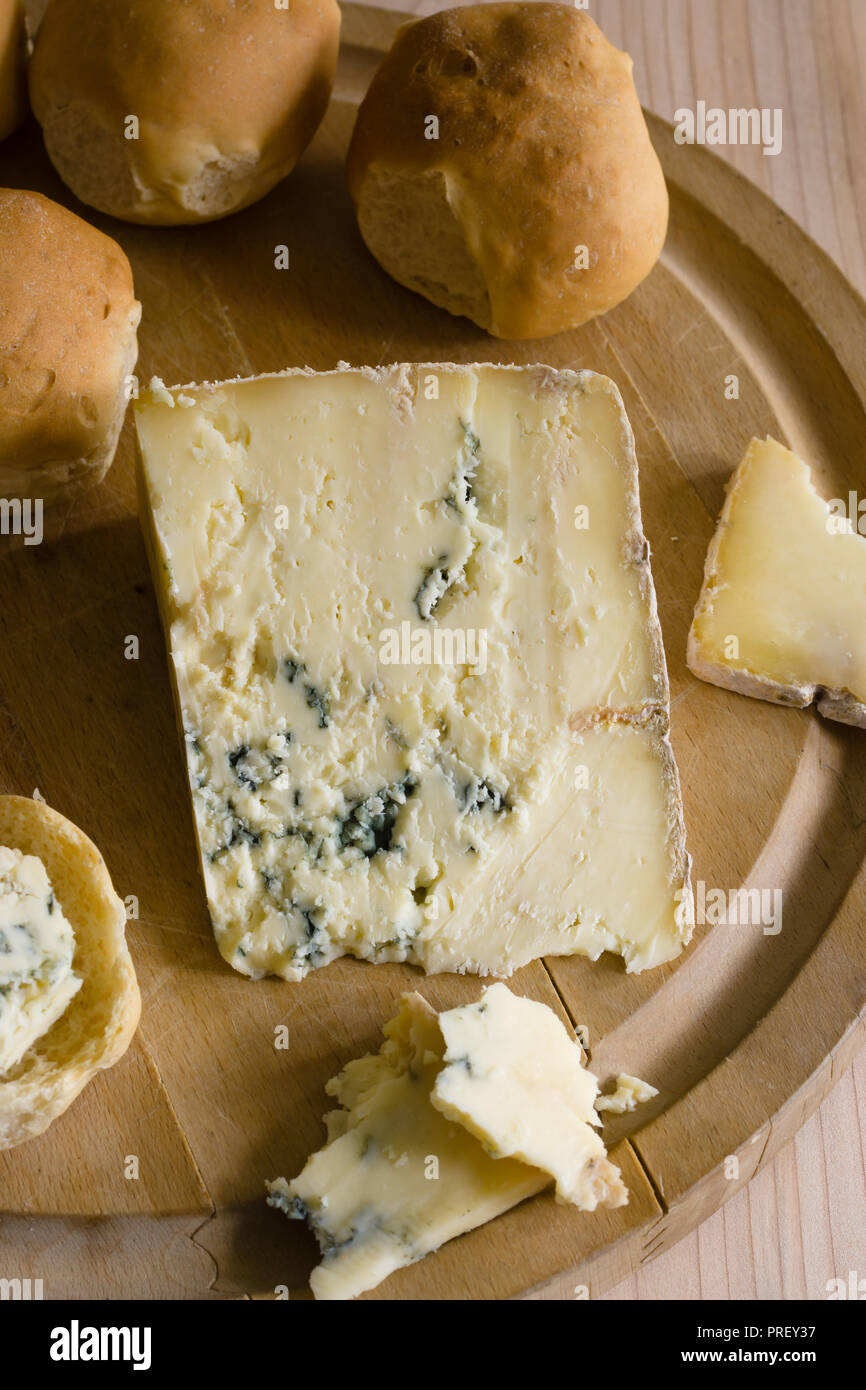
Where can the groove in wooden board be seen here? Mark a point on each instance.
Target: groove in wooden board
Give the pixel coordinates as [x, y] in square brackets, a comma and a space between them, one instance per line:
[243, 1133]
[712, 1026]
[693, 47]
[119, 1257]
[833, 839]
[655, 347]
[252, 1253]
[724, 836]
[242, 1252]
[79, 1167]
[204, 318]
[832, 395]
[82, 1170]
[785, 1234]
[737, 973]
[822, 1014]
[712, 1191]
[792, 301]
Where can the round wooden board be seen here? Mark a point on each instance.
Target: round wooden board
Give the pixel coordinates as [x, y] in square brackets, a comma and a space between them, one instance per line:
[743, 1037]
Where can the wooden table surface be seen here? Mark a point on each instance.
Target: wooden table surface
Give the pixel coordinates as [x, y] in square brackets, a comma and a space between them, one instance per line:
[802, 1221]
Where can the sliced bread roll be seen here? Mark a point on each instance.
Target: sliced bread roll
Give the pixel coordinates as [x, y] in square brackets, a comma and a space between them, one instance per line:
[97, 1023]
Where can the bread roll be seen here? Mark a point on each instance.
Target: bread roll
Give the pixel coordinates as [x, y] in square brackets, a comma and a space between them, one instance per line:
[13, 56]
[541, 150]
[171, 111]
[68, 320]
[96, 1026]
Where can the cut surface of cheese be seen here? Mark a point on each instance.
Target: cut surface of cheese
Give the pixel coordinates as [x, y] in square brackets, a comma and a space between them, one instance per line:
[782, 613]
[516, 1080]
[397, 1177]
[37, 946]
[630, 1092]
[419, 667]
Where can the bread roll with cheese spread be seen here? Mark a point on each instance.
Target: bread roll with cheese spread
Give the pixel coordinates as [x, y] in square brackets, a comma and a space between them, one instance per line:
[68, 321]
[172, 111]
[13, 56]
[69, 1000]
[501, 166]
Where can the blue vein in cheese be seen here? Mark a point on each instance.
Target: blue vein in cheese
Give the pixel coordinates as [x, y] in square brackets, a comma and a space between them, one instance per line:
[429, 813]
[456, 1119]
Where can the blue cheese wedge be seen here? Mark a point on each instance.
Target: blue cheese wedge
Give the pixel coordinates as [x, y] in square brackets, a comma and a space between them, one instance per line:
[515, 1079]
[418, 664]
[37, 946]
[413, 1159]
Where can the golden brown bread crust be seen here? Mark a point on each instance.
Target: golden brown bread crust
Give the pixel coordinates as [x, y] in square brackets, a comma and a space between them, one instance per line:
[68, 320]
[99, 1023]
[13, 60]
[227, 93]
[543, 148]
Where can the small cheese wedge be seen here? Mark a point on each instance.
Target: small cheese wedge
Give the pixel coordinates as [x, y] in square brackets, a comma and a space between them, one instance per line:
[630, 1092]
[37, 945]
[418, 665]
[398, 1177]
[782, 612]
[516, 1080]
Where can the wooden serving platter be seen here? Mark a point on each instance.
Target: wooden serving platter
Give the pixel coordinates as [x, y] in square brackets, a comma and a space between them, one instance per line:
[743, 1036]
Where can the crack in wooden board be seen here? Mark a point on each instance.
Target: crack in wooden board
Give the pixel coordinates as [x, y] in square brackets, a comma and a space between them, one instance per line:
[114, 1258]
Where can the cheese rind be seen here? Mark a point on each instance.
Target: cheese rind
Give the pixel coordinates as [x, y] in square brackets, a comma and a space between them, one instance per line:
[602, 869]
[37, 946]
[348, 803]
[408, 1163]
[782, 611]
[516, 1080]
